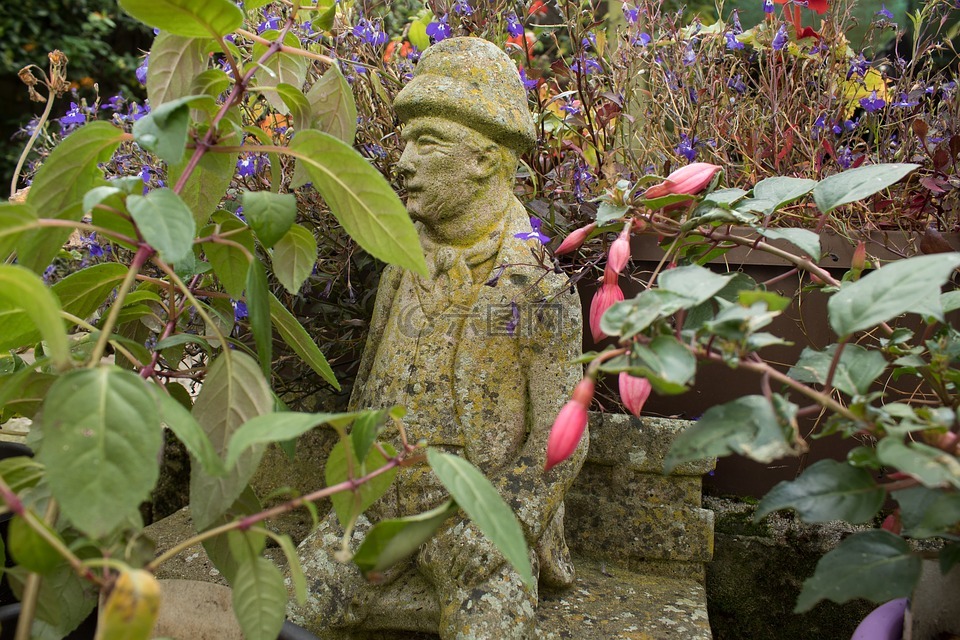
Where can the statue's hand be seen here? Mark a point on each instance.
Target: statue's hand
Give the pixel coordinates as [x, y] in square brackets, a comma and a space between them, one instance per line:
[460, 552]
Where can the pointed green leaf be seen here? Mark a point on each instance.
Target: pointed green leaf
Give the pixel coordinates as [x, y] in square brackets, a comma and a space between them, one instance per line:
[187, 17]
[361, 199]
[931, 466]
[483, 504]
[897, 288]
[804, 239]
[855, 371]
[233, 392]
[781, 190]
[608, 212]
[748, 426]
[297, 576]
[29, 550]
[206, 186]
[57, 191]
[294, 256]
[26, 305]
[270, 215]
[876, 565]
[181, 422]
[276, 427]
[300, 341]
[82, 292]
[175, 62]
[297, 104]
[827, 490]
[332, 106]
[15, 220]
[348, 504]
[855, 184]
[694, 282]
[390, 541]
[259, 599]
[258, 307]
[225, 549]
[164, 130]
[229, 262]
[630, 317]
[101, 442]
[279, 68]
[165, 222]
[211, 82]
[365, 430]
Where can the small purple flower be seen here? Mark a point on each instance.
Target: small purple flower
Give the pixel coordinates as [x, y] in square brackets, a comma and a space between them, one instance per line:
[582, 178]
[872, 103]
[438, 29]
[48, 274]
[735, 17]
[142, 70]
[590, 42]
[642, 40]
[586, 65]
[535, 234]
[75, 115]
[528, 84]
[113, 103]
[96, 251]
[511, 325]
[247, 166]
[732, 43]
[845, 157]
[239, 213]
[631, 13]
[239, 310]
[736, 83]
[689, 55]
[514, 27]
[904, 102]
[370, 32]
[820, 122]
[884, 12]
[858, 66]
[136, 111]
[687, 147]
[768, 6]
[462, 8]
[571, 108]
[780, 39]
[271, 23]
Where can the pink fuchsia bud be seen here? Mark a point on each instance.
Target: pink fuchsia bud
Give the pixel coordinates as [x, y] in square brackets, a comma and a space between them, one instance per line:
[689, 180]
[606, 296]
[634, 392]
[892, 523]
[620, 251]
[570, 424]
[859, 259]
[573, 241]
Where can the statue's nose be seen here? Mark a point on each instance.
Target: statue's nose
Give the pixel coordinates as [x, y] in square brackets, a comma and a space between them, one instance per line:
[405, 164]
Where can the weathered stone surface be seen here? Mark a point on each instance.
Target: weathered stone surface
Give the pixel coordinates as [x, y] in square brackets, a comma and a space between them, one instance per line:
[639, 445]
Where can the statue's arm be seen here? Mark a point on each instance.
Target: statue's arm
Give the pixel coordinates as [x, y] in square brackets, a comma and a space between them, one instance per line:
[386, 292]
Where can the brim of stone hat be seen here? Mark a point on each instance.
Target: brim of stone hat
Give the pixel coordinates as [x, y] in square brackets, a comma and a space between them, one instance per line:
[468, 104]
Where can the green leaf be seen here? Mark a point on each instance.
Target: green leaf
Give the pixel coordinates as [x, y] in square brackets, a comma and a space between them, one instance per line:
[258, 307]
[15, 220]
[204, 189]
[279, 68]
[608, 212]
[224, 550]
[348, 504]
[365, 430]
[361, 199]
[772, 301]
[950, 301]
[748, 426]
[165, 222]
[211, 82]
[229, 262]
[782, 190]
[806, 240]
[630, 317]
[855, 184]
[275, 427]
[876, 565]
[181, 422]
[297, 576]
[259, 599]
[294, 257]
[931, 466]
[175, 62]
[332, 107]
[390, 541]
[164, 130]
[187, 17]
[81, 293]
[297, 104]
[65, 600]
[300, 341]
[827, 490]
[666, 363]
[270, 215]
[483, 504]
[57, 191]
[697, 283]
[101, 441]
[855, 372]
[29, 550]
[233, 392]
[23, 291]
[928, 513]
[897, 288]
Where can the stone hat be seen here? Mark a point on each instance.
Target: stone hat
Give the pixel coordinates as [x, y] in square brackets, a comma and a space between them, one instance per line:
[474, 83]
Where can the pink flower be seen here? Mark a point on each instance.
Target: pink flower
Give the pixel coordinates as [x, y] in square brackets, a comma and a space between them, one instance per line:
[688, 180]
[570, 424]
[620, 251]
[573, 241]
[859, 259]
[634, 392]
[606, 296]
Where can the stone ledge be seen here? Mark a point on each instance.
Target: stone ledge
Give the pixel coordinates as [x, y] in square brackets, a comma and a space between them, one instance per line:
[618, 439]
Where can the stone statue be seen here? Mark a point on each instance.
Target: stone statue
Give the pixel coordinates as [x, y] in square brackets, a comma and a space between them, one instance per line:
[480, 353]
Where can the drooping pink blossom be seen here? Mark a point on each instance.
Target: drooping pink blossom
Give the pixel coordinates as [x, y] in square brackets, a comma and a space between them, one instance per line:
[570, 424]
[606, 296]
[634, 392]
[689, 180]
[620, 251]
[573, 241]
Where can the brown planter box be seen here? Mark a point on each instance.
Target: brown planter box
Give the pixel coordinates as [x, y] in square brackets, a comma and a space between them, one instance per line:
[804, 323]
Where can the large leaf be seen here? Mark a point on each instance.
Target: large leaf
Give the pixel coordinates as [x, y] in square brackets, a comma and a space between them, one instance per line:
[665, 362]
[279, 68]
[15, 220]
[390, 541]
[300, 341]
[297, 104]
[277, 427]
[628, 318]
[234, 391]
[175, 61]
[294, 257]
[258, 308]
[806, 240]
[27, 305]
[164, 130]
[481, 501]
[899, 287]
[101, 439]
[855, 372]
[229, 262]
[332, 106]
[781, 190]
[165, 222]
[205, 187]
[181, 422]
[931, 466]
[748, 426]
[270, 215]
[694, 282]
[876, 565]
[855, 184]
[259, 599]
[81, 293]
[187, 17]
[361, 199]
[827, 490]
[57, 191]
[348, 504]
[928, 513]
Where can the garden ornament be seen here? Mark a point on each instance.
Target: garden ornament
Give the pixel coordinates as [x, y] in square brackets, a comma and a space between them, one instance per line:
[481, 353]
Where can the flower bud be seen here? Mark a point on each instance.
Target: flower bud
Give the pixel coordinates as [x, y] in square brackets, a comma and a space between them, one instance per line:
[688, 180]
[859, 259]
[634, 392]
[570, 424]
[620, 251]
[573, 241]
[606, 296]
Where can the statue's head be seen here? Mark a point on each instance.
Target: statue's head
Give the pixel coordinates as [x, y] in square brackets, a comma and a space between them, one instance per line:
[467, 121]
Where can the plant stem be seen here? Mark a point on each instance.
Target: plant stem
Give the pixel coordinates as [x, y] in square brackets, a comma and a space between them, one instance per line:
[139, 259]
[294, 51]
[30, 142]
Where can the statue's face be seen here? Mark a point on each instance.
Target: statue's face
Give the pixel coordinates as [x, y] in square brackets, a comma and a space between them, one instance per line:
[441, 168]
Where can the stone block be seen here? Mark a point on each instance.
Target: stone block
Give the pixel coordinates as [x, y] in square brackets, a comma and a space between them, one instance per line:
[618, 439]
[649, 488]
